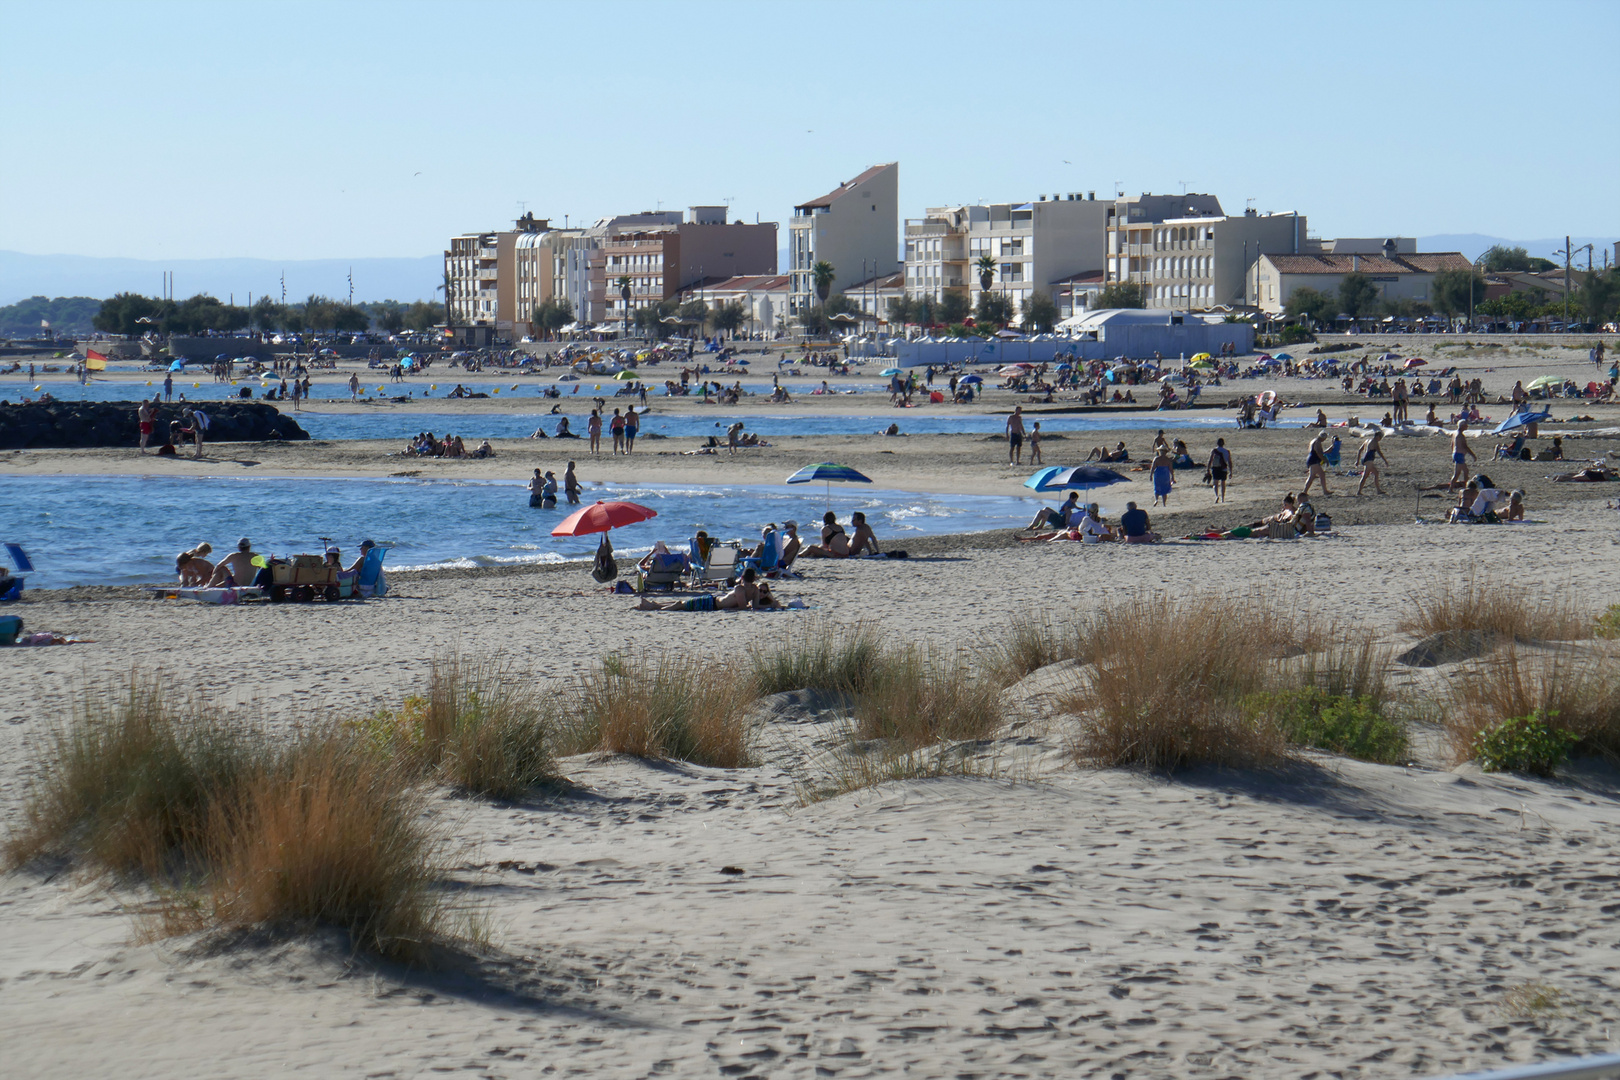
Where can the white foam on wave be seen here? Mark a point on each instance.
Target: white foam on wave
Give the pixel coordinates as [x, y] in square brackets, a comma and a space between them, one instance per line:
[483, 562]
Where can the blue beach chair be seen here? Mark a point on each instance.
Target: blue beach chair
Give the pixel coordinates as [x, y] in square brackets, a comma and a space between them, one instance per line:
[372, 583]
[24, 565]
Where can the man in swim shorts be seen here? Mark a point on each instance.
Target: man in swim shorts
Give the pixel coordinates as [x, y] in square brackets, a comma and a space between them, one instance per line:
[1220, 467]
[1015, 436]
[146, 416]
[748, 595]
[1460, 452]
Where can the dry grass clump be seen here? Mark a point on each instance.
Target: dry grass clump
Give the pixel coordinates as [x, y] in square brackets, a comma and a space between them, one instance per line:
[1482, 603]
[1578, 692]
[1205, 679]
[856, 768]
[483, 728]
[818, 655]
[1033, 642]
[130, 779]
[664, 705]
[1169, 683]
[920, 696]
[235, 828]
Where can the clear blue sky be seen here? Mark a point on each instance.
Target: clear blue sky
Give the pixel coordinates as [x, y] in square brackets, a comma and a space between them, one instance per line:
[345, 130]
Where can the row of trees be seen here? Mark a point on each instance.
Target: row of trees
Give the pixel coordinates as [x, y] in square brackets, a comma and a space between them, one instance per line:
[67, 315]
[132, 314]
[1456, 292]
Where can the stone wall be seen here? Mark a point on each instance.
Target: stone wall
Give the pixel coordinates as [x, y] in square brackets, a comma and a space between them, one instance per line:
[65, 424]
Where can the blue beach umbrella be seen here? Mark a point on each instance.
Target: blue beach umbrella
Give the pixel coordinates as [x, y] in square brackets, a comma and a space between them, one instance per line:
[1080, 478]
[891, 371]
[828, 471]
[178, 365]
[967, 379]
[1282, 356]
[1520, 419]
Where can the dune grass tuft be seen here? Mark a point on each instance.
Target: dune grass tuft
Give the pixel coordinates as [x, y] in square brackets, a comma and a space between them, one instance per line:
[1483, 603]
[920, 696]
[234, 827]
[1033, 642]
[483, 728]
[1577, 692]
[665, 705]
[818, 655]
[856, 768]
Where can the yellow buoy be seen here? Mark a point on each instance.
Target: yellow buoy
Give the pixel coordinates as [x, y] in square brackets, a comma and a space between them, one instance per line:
[379, 389]
[433, 386]
[148, 382]
[195, 385]
[598, 386]
[497, 390]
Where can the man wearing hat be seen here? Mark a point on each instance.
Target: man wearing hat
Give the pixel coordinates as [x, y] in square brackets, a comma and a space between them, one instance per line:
[790, 542]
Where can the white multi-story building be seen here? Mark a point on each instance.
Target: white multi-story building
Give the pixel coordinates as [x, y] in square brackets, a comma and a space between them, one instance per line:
[856, 224]
[1035, 246]
[1187, 255]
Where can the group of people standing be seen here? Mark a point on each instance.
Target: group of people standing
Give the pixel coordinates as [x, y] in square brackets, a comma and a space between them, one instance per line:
[543, 487]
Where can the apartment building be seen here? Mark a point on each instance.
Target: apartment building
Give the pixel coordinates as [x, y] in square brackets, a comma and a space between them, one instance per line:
[1188, 255]
[855, 224]
[473, 282]
[1397, 277]
[662, 259]
[763, 297]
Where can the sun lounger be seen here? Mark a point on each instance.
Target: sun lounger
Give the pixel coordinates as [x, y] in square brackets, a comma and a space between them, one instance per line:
[665, 572]
[372, 583]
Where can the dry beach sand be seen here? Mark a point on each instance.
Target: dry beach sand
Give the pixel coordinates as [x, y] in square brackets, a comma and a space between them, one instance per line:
[1329, 918]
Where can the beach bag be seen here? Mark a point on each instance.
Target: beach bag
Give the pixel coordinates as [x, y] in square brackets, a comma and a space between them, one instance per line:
[605, 569]
[1281, 530]
[1324, 523]
[10, 627]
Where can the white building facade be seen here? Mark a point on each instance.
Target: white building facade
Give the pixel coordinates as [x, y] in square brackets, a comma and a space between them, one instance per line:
[856, 224]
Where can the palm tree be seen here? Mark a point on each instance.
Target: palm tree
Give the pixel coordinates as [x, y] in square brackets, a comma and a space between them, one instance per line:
[987, 271]
[822, 274]
[624, 294]
[448, 292]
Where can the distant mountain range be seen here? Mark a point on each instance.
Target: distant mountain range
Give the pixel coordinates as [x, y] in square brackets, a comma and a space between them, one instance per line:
[406, 279]
[1474, 245]
[22, 276]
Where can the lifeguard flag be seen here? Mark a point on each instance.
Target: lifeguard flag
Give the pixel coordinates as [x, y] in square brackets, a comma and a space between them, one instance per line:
[94, 361]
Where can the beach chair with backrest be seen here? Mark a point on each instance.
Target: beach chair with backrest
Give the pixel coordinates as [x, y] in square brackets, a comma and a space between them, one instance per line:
[665, 572]
[371, 582]
[720, 566]
[24, 565]
[770, 561]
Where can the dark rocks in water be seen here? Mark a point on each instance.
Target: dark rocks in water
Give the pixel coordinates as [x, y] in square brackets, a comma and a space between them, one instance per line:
[1449, 647]
[78, 424]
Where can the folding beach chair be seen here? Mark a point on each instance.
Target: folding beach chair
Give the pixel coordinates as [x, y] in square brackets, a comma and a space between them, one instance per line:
[24, 565]
[770, 560]
[720, 566]
[371, 582]
[665, 572]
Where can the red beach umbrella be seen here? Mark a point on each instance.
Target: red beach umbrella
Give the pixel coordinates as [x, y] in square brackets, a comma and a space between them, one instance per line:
[602, 516]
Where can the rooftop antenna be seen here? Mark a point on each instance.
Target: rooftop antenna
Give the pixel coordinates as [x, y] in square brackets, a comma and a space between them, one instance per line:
[1119, 191]
[1184, 189]
[1248, 204]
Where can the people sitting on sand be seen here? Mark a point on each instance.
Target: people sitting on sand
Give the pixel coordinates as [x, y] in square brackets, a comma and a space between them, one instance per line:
[1118, 453]
[484, 450]
[1320, 421]
[834, 542]
[237, 568]
[1134, 526]
[1515, 507]
[1093, 527]
[1288, 513]
[865, 540]
[192, 568]
[1048, 518]
[1554, 452]
[1182, 458]
[750, 594]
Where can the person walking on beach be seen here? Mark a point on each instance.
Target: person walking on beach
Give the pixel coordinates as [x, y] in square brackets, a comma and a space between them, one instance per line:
[1164, 476]
[616, 428]
[632, 424]
[1315, 466]
[1015, 436]
[1035, 444]
[146, 416]
[354, 387]
[571, 485]
[593, 427]
[1220, 467]
[168, 387]
[298, 395]
[1371, 451]
[1460, 452]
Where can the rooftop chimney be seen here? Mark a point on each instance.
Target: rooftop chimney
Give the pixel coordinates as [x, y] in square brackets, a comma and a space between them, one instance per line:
[1091, 196]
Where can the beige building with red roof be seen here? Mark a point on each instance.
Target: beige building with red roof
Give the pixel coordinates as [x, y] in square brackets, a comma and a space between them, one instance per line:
[855, 228]
[1398, 277]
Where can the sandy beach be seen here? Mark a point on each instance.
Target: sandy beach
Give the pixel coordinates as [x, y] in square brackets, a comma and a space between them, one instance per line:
[1331, 917]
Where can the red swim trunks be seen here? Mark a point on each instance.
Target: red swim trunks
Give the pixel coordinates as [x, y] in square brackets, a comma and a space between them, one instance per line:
[146, 427]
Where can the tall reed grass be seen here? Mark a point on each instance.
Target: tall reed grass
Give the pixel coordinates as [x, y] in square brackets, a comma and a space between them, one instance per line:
[233, 826]
[1480, 602]
[921, 695]
[664, 705]
[818, 655]
[1202, 679]
[1578, 692]
[484, 727]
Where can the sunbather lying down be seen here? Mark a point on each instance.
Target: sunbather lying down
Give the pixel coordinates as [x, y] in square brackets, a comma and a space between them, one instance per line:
[749, 595]
[1592, 474]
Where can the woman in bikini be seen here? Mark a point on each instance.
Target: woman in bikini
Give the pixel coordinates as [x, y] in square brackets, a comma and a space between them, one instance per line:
[1371, 451]
[834, 543]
